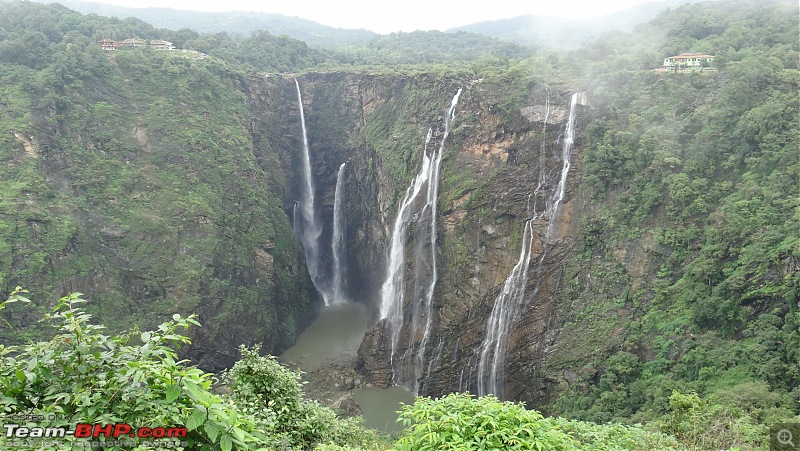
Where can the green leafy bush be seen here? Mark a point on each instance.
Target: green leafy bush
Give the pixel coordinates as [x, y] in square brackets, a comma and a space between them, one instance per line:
[459, 421]
[272, 394]
[704, 424]
[615, 436]
[84, 376]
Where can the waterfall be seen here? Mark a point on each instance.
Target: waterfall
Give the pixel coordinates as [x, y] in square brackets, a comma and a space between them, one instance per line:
[337, 242]
[309, 230]
[492, 351]
[296, 216]
[408, 368]
[566, 152]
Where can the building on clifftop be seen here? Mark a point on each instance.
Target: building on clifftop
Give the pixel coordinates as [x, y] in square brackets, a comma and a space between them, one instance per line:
[161, 45]
[691, 60]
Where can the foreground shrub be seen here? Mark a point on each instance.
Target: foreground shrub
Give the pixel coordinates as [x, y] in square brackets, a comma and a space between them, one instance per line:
[704, 424]
[85, 376]
[273, 395]
[460, 422]
[615, 436]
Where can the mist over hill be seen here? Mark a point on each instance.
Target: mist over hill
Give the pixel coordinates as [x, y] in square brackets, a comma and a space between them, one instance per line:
[565, 33]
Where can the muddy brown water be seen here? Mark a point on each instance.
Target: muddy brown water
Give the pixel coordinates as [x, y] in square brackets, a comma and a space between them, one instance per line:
[339, 329]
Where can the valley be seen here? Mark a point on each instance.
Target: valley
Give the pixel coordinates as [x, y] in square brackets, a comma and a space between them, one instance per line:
[571, 231]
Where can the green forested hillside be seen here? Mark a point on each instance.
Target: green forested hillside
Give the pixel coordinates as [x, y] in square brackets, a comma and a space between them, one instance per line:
[690, 261]
[31, 34]
[234, 23]
[133, 176]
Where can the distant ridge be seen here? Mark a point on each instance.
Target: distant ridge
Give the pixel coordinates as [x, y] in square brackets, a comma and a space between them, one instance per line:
[559, 32]
[541, 31]
[234, 22]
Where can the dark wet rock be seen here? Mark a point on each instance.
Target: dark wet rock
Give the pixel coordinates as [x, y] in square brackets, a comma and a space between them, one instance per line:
[373, 356]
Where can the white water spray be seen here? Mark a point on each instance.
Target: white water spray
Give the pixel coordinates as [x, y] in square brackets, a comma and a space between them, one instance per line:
[310, 230]
[566, 153]
[408, 368]
[492, 352]
[337, 242]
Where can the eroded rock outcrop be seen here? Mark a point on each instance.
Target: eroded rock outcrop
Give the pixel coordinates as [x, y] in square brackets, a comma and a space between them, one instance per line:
[374, 356]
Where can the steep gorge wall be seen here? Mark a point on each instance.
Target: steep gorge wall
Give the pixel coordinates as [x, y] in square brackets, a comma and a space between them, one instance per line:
[491, 166]
[146, 186]
[370, 122]
[489, 175]
[181, 202]
[484, 232]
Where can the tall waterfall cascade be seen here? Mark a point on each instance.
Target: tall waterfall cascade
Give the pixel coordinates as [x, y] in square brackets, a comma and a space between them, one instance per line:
[307, 226]
[491, 354]
[337, 241]
[418, 207]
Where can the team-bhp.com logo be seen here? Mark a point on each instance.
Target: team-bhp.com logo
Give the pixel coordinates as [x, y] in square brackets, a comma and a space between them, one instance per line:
[86, 430]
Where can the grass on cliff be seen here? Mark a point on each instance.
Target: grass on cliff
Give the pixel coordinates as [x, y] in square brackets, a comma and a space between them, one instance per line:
[134, 172]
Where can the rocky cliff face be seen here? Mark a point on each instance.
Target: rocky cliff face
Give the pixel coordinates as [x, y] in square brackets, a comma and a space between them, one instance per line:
[147, 186]
[500, 145]
[197, 215]
[483, 231]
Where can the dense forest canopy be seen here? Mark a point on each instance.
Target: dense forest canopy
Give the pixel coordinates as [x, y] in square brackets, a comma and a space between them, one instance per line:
[697, 172]
[704, 167]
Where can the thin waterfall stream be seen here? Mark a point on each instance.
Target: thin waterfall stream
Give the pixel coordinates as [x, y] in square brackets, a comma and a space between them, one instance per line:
[337, 241]
[408, 368]
[492, 351]
[307, 224]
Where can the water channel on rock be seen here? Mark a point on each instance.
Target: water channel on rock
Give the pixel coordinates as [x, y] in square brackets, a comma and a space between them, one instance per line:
[338, 330]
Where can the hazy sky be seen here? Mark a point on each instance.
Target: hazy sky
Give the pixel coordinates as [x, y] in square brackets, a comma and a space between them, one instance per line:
[384, 16]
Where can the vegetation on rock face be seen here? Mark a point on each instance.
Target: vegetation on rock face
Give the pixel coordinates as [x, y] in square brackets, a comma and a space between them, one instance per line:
[689, 274]
[133, 173]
